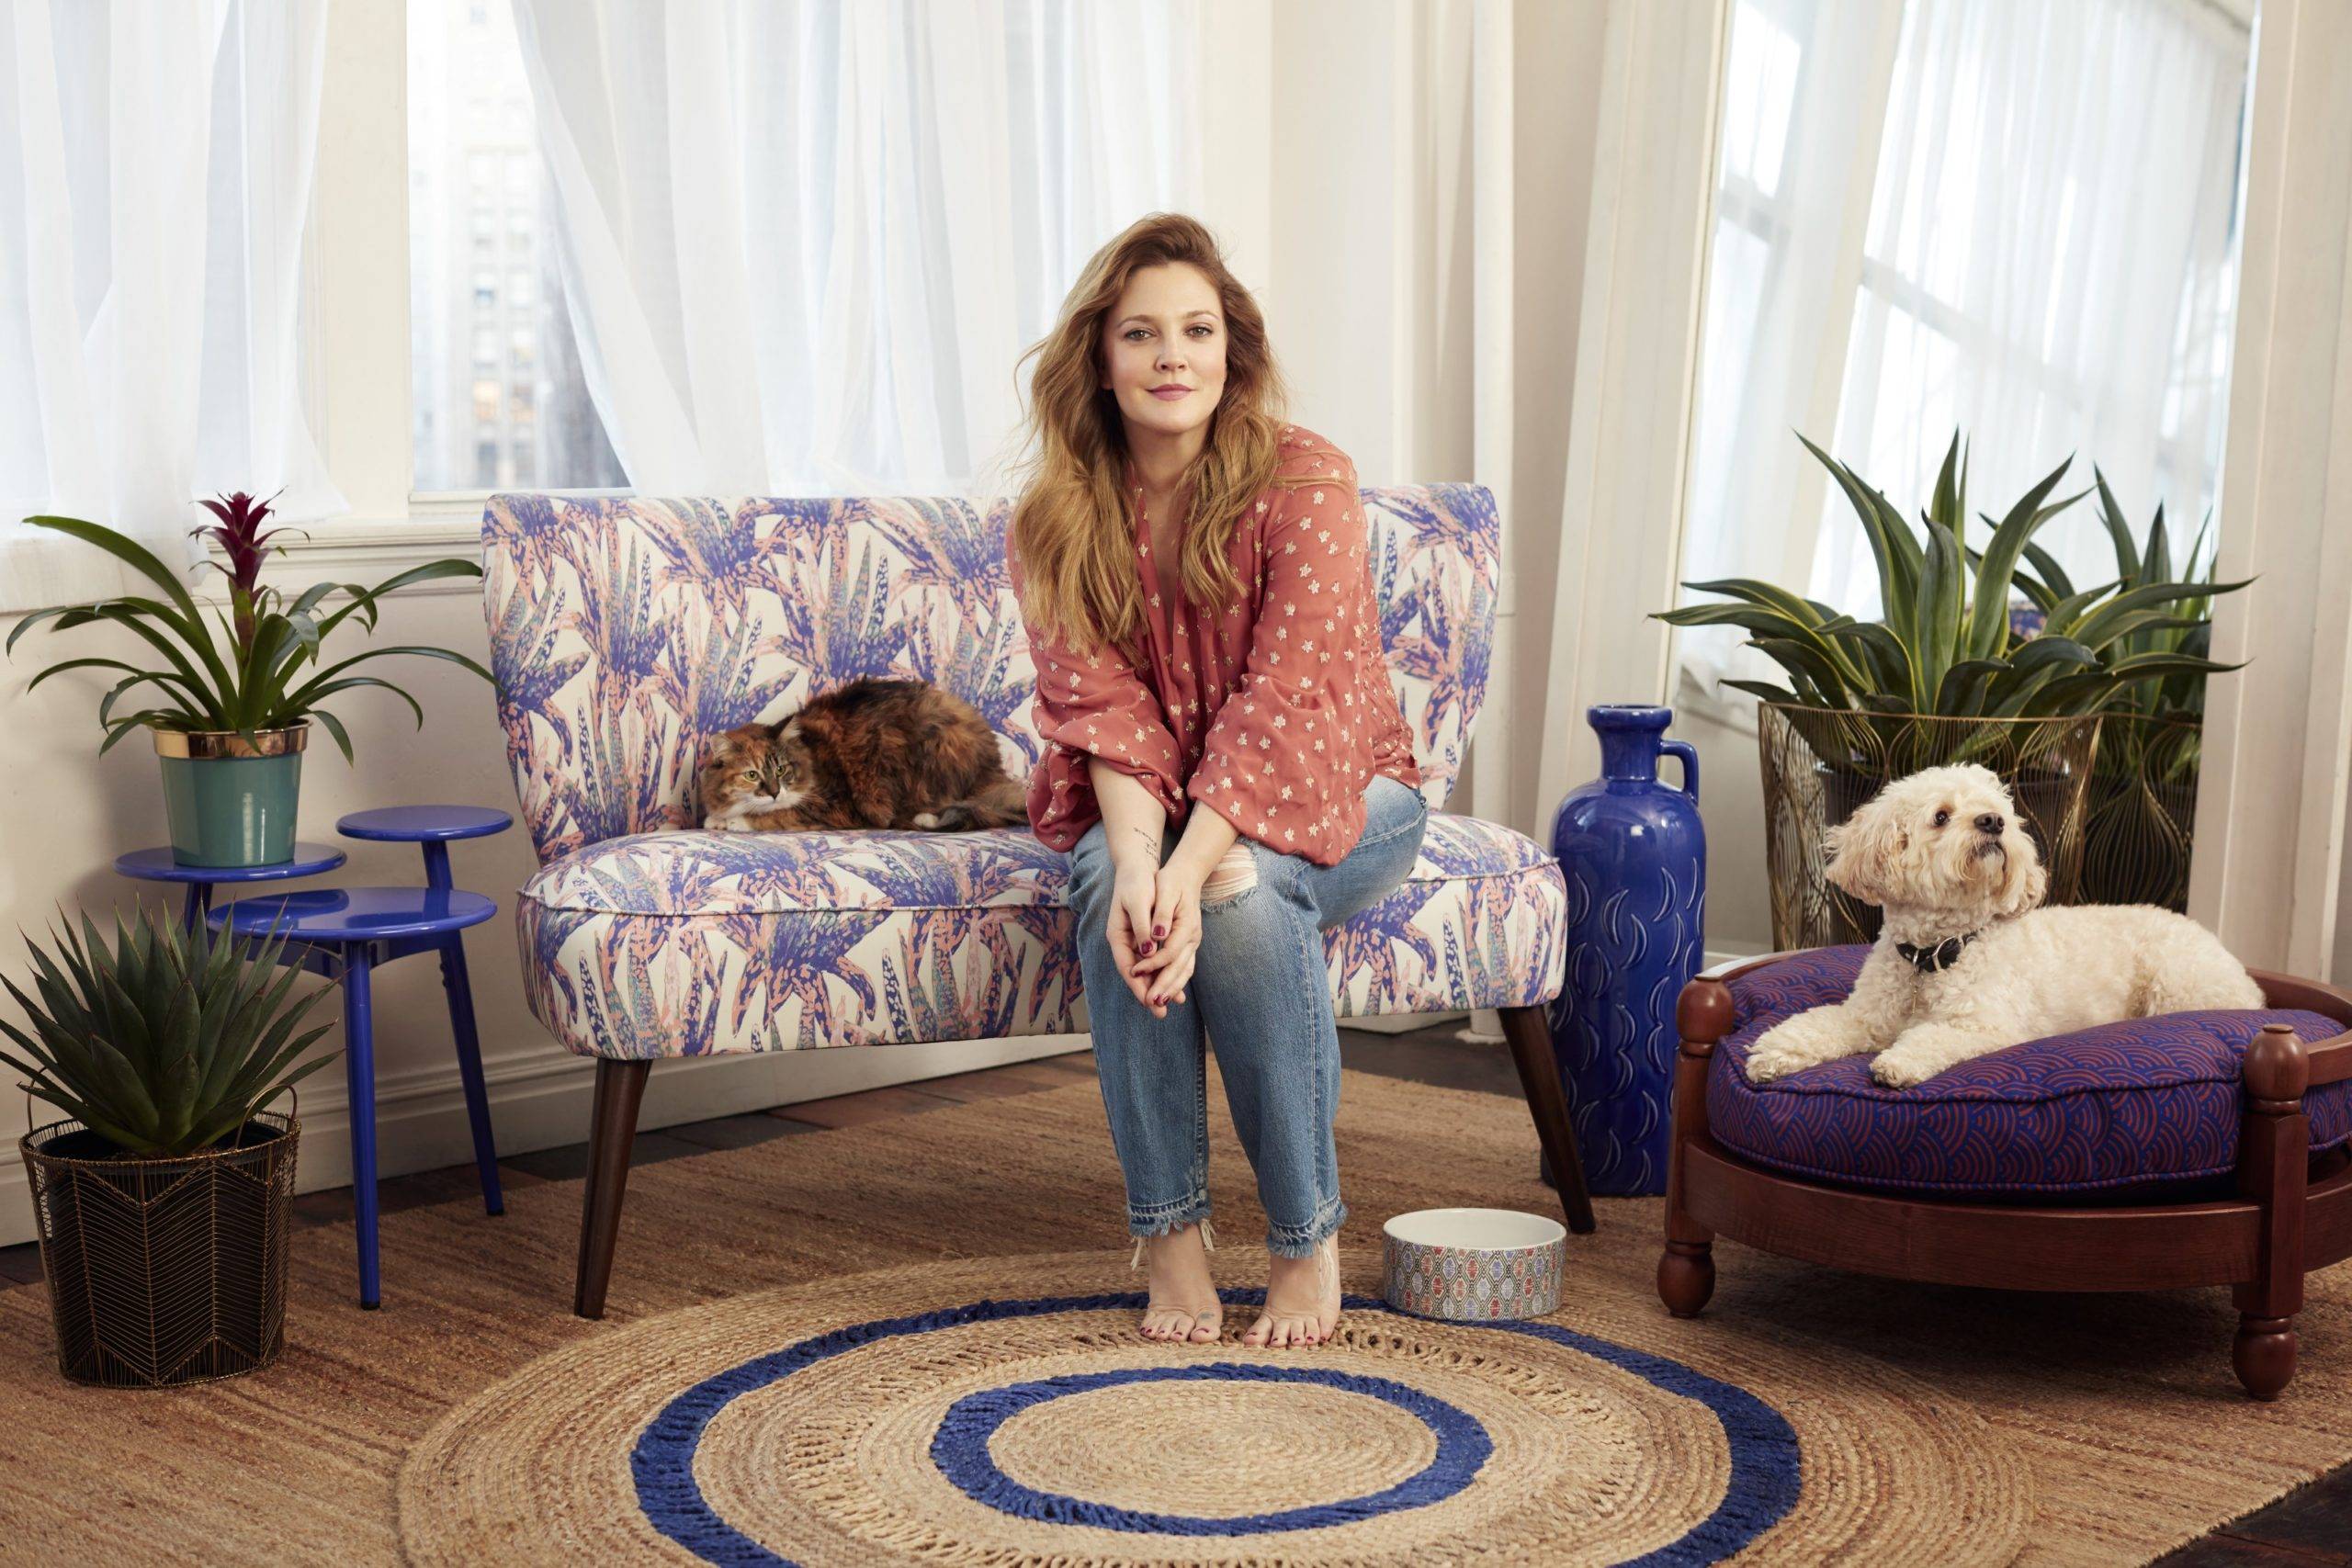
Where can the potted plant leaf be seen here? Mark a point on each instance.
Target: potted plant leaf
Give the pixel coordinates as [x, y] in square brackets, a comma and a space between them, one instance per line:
[229, 699]
[165, 1201]
[2142, 806]
[1942, 675]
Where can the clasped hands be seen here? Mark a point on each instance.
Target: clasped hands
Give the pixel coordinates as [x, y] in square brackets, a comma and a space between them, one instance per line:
[1155, 926]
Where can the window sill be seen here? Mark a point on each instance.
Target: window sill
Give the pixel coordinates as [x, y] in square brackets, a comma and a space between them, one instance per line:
[368, 549]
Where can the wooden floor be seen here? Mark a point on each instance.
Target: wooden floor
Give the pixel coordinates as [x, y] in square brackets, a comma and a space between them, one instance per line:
[2309, 1526]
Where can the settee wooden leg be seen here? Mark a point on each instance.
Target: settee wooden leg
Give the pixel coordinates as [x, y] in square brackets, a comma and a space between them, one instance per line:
[2274, 1144]
[1686, 1271]
[1539, 1078]
[619, 1087]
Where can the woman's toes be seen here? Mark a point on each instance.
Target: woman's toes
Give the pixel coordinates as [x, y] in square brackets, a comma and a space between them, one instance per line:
[1206, 1326]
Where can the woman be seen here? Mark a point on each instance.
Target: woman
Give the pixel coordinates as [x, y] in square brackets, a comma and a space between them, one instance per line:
[1225, 765]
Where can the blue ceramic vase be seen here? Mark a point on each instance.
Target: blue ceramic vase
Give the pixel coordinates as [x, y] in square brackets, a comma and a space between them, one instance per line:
[1635, 858]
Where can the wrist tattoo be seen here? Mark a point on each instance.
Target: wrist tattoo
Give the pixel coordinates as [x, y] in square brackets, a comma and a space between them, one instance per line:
[1149, 838]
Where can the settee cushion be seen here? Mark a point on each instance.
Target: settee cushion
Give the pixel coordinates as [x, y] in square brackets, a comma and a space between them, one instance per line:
[2127, 1105]
[687, 943]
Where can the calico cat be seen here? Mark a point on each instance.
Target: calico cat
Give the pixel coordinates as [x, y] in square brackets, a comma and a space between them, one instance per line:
[874, 753]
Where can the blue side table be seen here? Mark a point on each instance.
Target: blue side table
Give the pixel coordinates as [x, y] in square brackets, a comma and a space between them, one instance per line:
[347, 933]
[157, 865]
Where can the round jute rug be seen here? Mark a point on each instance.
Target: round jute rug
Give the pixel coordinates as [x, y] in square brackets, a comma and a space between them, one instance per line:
[1002, 1410]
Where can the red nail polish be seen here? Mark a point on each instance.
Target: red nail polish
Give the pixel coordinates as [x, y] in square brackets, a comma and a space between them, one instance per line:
[1160, 931]
[1145, 949]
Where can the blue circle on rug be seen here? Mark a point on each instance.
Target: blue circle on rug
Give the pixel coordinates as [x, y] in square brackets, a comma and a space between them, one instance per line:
[960, 1450]
[1766, 1474]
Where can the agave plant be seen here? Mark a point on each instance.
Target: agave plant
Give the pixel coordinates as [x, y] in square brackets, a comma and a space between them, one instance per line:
[261, 666]
[167, 1042]
[1944, 647]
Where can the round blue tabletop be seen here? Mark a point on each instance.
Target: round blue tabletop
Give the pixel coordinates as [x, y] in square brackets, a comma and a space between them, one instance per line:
[424, 824]
[157, 865]
[355, 914]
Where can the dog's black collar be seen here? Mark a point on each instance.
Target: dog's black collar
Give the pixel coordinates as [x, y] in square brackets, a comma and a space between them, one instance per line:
[1943, 955]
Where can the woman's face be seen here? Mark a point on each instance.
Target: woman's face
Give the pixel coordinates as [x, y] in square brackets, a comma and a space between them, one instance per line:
[1163, 349]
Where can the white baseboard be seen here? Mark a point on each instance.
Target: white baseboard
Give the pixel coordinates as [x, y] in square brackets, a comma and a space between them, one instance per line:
[1400, 1022]
[540, 1098]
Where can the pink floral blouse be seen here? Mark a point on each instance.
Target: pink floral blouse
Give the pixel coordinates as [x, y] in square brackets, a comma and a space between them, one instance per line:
[1276, 712]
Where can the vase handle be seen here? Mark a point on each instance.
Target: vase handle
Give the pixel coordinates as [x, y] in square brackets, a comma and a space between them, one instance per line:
[1690, 757]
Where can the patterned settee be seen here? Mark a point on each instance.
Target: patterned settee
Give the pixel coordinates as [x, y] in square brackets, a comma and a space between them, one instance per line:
[623, 632]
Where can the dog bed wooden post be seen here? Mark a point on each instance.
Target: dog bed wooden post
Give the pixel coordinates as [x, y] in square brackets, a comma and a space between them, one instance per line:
[620, 1085]
[2273, 1171]
[1686, 1273]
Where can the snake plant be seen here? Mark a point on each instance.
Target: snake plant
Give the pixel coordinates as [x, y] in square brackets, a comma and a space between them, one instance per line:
[1944, 646]
[261, 666]
[165, 1042]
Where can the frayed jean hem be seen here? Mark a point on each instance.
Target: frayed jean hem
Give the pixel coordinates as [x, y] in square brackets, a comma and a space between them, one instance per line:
[1167, 1219]
[1300, 1241]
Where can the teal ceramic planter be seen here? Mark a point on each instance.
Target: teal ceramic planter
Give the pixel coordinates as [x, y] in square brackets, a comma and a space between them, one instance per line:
[228, 802]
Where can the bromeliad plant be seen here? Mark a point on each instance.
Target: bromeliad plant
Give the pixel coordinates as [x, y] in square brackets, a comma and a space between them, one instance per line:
[1944, 647]
[167, 1042]
[259, 667]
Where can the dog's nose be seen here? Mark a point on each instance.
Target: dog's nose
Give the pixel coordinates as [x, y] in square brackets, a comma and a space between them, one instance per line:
[1989, 823]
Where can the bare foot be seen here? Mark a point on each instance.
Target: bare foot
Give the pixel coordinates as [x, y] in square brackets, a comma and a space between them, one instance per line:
[1302, 1299]
[1183, 1305]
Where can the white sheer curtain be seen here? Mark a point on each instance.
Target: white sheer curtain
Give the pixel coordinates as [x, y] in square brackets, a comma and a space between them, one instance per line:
[803, 244]
[1804, 106]
[2049, 267]
[2045, 265]
[155, 174]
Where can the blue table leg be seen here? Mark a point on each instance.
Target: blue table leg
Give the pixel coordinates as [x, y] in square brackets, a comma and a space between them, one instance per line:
[461, 1024]
[359, 1073]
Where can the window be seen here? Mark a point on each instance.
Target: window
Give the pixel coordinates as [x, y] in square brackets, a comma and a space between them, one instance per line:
[2017, 222]
[2102, 322]
[483, 273]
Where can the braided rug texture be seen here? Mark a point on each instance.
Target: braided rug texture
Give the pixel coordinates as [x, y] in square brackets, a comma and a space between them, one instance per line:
[2072, 1428]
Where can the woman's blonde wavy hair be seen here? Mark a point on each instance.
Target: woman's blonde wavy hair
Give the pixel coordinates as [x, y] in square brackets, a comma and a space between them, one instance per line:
[1073, 524]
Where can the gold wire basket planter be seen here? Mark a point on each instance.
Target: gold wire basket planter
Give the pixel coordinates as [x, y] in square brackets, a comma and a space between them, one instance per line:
[1821, 763]
[167, 1271]
[2142, 808]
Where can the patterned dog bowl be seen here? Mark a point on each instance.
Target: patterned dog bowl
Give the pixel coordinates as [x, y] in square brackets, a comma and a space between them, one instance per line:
[1474, 1265]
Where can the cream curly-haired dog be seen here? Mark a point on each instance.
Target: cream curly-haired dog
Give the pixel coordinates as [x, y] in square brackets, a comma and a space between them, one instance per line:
[1966, 965]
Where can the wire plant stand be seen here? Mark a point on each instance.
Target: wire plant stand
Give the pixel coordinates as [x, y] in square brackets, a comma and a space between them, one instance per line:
[166, 1271]
[2142, 810]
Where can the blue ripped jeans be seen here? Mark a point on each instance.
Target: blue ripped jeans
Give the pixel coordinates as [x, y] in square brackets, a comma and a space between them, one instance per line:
[1260, 988]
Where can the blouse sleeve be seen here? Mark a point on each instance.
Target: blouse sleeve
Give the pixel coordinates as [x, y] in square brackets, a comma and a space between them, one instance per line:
[1287, 742]
[1092, 704]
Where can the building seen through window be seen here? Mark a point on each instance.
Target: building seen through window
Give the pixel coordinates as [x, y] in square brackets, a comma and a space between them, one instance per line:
[498, 396]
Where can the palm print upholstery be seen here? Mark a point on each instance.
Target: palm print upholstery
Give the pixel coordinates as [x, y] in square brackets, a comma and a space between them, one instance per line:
[624, 632]
[2124, 1105]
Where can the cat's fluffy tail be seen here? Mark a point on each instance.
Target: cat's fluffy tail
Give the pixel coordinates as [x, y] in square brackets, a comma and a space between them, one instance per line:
[1001, 802]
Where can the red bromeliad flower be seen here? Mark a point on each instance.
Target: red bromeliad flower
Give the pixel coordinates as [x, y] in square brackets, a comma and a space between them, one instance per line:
[239, 536]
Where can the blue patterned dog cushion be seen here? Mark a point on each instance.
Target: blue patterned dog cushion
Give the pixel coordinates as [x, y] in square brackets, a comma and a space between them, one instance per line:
[2149, 1100]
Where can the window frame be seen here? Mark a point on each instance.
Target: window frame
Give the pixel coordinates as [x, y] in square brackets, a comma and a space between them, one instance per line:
[356, 326]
